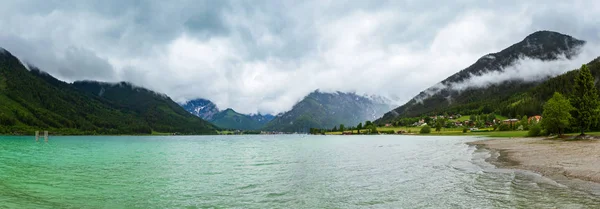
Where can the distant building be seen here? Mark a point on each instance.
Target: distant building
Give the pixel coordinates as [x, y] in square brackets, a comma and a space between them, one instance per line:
[512, 121]
[536, 119]
[388, 124]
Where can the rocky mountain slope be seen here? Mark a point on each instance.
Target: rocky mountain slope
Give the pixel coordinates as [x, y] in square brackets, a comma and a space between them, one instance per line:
[458, 94]
[227, 119]
[326, 110]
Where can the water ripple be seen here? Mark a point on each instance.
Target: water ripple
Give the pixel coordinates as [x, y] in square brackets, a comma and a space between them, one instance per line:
[268, 172]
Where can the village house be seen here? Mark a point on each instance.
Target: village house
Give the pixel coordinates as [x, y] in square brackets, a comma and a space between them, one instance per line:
[421, 122]
[512, 121]
[535, 119]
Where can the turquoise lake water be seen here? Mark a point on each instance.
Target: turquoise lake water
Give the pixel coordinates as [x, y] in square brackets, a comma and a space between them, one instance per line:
[282, 171]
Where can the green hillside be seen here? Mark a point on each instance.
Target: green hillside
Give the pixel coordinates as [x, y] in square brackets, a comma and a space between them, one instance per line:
[160, 112]
[507, 98]
[230, 119]
[33, 100]
[532, 101]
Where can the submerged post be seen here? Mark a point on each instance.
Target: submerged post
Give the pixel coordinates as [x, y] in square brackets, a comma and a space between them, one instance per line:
[37, 136]
[46, 136]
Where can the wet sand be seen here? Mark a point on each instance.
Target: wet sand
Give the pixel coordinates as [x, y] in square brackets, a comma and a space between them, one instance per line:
[549, 157]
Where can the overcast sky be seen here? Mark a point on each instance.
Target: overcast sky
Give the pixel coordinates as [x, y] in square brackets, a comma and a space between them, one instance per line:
[266, 55]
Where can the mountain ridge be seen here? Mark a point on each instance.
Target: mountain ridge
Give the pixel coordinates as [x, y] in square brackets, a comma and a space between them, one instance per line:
[35, 100]
[326, 110]
[540, 45]
[228, 118]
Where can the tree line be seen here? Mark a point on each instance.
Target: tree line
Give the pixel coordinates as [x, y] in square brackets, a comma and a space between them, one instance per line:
[576, 111]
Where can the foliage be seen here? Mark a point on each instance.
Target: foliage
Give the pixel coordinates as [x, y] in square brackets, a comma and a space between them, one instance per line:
[556, 114]
[425, 129]
[342, 128]
[508, 98]
[230, 119]
[473, 118]
[503, 127]
[535, 130]
[490, 117]
[439, 124]
[387, 132]
[524, 123]
[585, 100]
[373, 129]
[33, 100]
[465, 130]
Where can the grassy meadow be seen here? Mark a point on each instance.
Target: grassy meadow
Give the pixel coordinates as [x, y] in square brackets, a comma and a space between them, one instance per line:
[447, 132]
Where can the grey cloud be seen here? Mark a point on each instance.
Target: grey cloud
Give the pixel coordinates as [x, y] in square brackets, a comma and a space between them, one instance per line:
[266, 55]
[80, 64]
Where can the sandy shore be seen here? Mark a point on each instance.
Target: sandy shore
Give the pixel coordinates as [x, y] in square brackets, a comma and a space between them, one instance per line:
[551, 158]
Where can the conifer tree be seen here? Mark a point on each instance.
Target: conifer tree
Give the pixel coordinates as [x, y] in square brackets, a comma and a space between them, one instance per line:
[585, 100]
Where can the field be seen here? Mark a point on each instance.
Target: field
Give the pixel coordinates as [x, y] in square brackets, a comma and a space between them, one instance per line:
[448, 132]
[468, 117]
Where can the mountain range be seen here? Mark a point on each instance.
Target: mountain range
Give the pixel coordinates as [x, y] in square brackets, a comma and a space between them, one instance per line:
[326, 110]
[455, 94]
[34, 100]
[227, 119]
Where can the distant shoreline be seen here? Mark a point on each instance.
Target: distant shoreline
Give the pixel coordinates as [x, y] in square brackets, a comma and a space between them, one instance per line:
[555, 159]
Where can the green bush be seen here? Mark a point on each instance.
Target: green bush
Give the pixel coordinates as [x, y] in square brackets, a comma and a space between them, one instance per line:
[504, 127]
[465, 130]
[425, 130]
[387, 132]
[535, 130]
[544, 133]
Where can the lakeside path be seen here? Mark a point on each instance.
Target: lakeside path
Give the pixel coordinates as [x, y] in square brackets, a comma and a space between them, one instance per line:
[551, 158]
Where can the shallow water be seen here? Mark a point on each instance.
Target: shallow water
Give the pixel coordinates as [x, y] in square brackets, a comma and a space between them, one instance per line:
[284, 171]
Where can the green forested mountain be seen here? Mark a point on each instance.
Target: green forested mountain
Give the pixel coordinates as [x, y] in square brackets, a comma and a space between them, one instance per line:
[326, 110]
[531, 102]
[158, 110]
[495, 97]
[33, 100]
[226, 119]
[231, 119]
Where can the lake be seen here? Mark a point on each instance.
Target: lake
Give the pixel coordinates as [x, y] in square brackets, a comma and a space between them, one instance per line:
[279, 171]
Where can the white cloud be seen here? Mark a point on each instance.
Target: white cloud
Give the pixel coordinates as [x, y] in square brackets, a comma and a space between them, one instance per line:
[265, 56]
[527, 69]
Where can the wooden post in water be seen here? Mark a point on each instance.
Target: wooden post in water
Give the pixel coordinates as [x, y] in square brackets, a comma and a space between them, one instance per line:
[37, 136]
[46, 136]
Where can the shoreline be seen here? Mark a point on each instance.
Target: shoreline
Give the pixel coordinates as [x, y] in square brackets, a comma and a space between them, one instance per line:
[555, 159]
